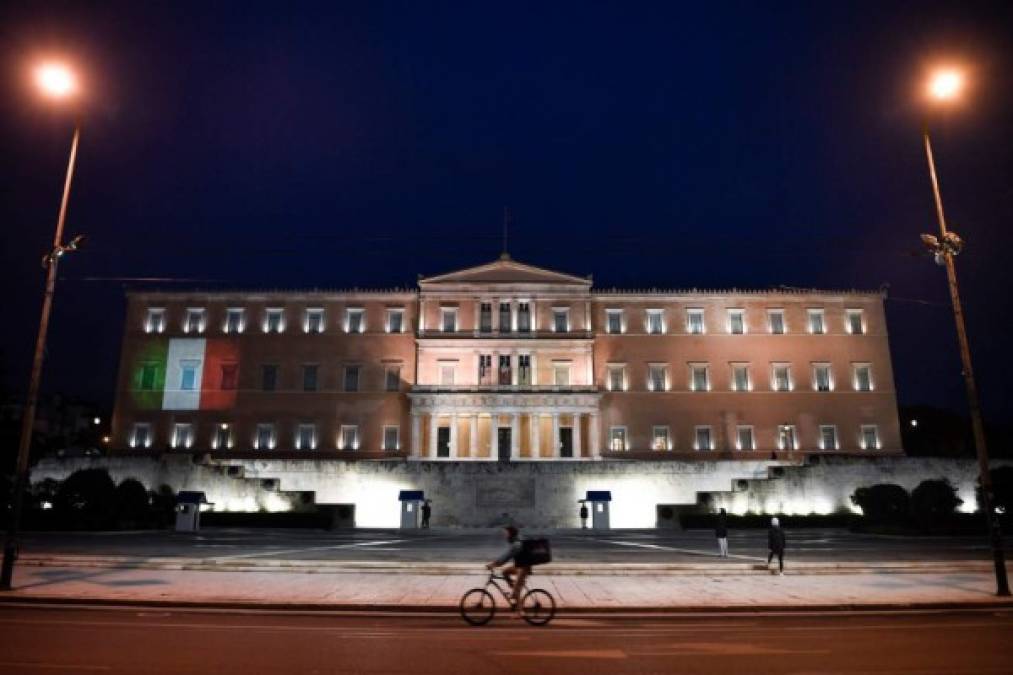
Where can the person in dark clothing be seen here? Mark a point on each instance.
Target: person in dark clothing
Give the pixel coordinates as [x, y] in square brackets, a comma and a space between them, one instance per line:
[776, 544]
[583, 516]
[427, 511]
[721, 532]
[509, 555]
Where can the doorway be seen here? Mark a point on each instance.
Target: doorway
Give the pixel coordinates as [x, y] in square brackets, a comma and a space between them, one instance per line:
[503, 442]
[443, 442]
[565, 442]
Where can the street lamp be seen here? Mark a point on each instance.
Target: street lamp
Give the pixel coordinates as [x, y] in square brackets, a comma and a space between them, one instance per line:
[945, 86]
[57, 82]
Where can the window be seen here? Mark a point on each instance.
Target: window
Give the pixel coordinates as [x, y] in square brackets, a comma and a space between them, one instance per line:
[351, 381]
[310, 372]
[306, 437]
[781, 377]
[775, 321]
[822, 377]
[222, 438]
[265, 439]
[485, 372]
[229, 376]
[149, 376]
[505, 320]
[660, 439]
[154, 321]
[505, 373]
[617, 438]
[235, 320]
[348, 437]
[560, 320]
[391, 441]
[744, 438]
[182, 435]
[736, 321]
[699, 379]
[523, 317]
[655, 321]
[140, 435]
[524, 369]
[657, 377]
[614, 321]
[817, 324]
[855, 322]
[694, 321]
[616, 378]
[561, 374]
[392, 378]
[870, 437]
[787, 437]
[269, 377]
[274, 320]
[828, 437]
[395, 320]
[313, 322]
[447, 374]
[195, 320]
[740, 377]
[485, 317]
[448, 319]
[863, 377]
[702, 439]
[355, 320]
[188, 375]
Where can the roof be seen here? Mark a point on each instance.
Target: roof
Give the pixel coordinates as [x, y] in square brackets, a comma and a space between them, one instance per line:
[506, 270]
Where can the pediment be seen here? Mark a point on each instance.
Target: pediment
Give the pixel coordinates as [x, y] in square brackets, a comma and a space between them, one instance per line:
[505, 271]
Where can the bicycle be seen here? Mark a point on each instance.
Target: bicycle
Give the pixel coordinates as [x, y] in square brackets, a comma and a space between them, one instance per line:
[478, 605]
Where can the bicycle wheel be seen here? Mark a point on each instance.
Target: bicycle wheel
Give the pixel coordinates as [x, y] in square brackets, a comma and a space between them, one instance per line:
[477, 606]
[538, 607]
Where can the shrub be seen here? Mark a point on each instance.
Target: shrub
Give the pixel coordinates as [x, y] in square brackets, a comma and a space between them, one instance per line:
[132, 506]
[933, 502]
[87, 498]
[883, 503]
[163, 505]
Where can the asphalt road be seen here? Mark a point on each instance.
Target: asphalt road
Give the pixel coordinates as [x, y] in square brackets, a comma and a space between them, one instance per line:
[136, 641]
[617, 546]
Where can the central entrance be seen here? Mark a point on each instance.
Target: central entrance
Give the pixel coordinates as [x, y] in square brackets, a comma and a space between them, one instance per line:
[503, 441]
[443, 442]
[565, 442]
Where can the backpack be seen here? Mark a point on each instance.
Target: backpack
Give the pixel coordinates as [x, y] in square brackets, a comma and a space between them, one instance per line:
[533, 552]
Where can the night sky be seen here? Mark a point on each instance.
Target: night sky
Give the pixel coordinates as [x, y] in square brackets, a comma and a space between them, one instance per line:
[658, 144]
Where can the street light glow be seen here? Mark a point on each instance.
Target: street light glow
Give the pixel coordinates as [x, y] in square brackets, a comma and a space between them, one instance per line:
[56, 80]
[946, 84]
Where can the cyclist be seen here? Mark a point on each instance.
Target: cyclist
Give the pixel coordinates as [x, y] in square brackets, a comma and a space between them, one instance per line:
[510, 555]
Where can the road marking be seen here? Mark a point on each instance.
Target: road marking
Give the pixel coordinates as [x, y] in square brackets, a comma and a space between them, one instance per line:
[569, 653]
[261, 554]
[690, 551]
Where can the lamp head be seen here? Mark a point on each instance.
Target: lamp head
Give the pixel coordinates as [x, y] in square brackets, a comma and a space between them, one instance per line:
[946, 84]
[56, 80]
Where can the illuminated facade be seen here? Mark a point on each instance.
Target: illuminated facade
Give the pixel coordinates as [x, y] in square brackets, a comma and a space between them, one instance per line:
[507, 362]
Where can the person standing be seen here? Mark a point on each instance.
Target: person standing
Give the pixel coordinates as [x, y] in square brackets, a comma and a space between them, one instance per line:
[776, 544]
[427, 511]
[583, 515]
[721, 532]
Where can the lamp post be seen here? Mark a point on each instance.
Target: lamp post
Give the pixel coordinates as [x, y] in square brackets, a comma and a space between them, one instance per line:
[943, 87]
[56, 82]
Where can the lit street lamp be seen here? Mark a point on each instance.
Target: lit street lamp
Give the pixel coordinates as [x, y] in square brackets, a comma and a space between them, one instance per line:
[945, 86]
[57, 82]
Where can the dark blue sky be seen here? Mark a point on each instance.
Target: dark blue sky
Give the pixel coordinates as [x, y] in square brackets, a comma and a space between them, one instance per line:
[651, 144]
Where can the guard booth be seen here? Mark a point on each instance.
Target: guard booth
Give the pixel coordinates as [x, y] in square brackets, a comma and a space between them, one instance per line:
[188, 505]
[411, 508]
[598, 501]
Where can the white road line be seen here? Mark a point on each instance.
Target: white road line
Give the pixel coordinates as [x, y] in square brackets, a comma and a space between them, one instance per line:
[690, 551]
[261, 554]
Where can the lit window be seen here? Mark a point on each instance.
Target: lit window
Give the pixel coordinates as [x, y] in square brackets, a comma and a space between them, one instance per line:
[561, 374]
[449, 319]
[392, 378]
[817, 322]
[486, 375]
[194, 320]
[702, 439]
[660, 439]
[657, 377]
[775, 321]
[560, 320]
[781, 377]
[736, 321]
[822, 377]
[391, 440]
[154, 321]
[355, 320]
[523, 317]
[524, 369]
[856, 324]
[485, 317]
[744, 438]
[655, 321]
[265, 438]
[740, 377]
[222, 438]
[505, 318]
[274, 320]
[235, 320]
[787, 437]
[351, 380]
[447, 372]
[395, 320]
[149, 377]
[870, 437]
[614, 321]
[616, 378]
[310, 373]
[699, 377]
[229, 376]
[348, 437]
[863, 377]
[140, 435]
[694, 321]
[188, 375]
[828, 437]
[617, 438]
[505, 370]
[269, 377]
[313, 322]
[306, 437]
[182, 435]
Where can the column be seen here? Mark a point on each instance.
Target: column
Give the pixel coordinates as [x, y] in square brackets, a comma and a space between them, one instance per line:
[477, 322]
[433, 423]
[576, 434]
[534, 419]
[473, 440]
[534, 368]
[515, 436]
[453, 436]
[495, 314]
[416, 434]
[555, 434]
[515, 367]
[595, 430]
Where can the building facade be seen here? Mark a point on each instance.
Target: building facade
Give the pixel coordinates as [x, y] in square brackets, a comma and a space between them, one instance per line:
[507, 362]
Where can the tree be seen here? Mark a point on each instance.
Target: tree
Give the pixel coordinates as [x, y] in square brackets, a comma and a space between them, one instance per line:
[933, 502]
[883, 503]
[132, 504]
[87, 498]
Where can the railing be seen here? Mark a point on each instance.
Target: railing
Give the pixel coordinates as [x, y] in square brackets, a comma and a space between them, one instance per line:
[514, 334]
[504, 388]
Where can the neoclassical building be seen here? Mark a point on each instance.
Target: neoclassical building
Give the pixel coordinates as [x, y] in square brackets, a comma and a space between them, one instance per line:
[506, 362]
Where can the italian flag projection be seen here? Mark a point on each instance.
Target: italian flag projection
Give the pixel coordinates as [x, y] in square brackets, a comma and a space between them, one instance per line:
[186, 374]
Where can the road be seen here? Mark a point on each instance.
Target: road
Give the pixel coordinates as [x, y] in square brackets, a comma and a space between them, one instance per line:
[133, 641]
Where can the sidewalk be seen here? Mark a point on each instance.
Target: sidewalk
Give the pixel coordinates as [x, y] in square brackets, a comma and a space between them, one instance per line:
[287, 589]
